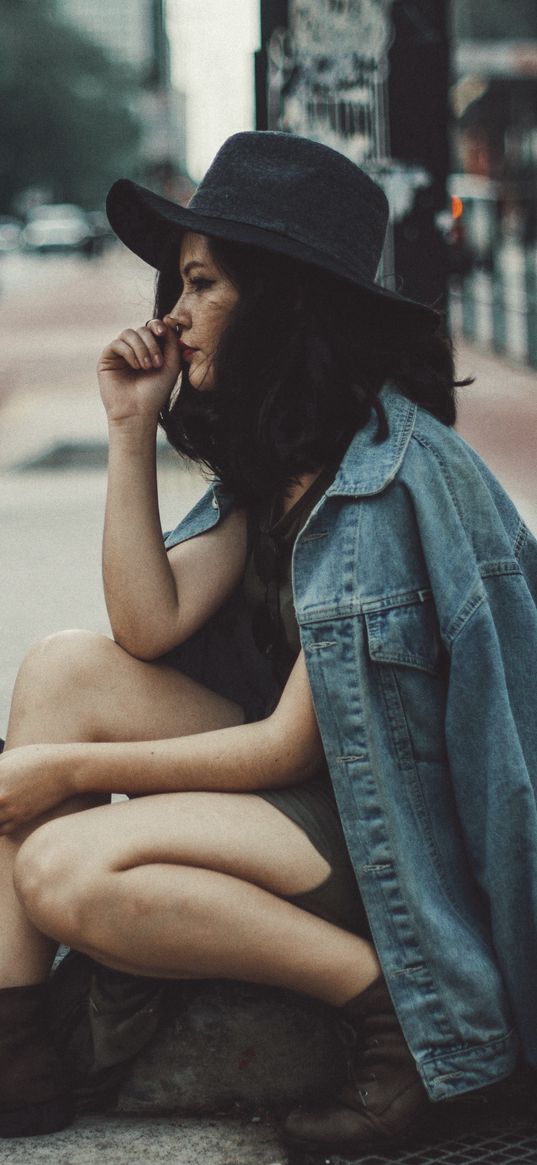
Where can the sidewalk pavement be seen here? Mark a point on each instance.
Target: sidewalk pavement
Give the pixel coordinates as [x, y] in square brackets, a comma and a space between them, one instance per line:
[167, 1140]
[53, 447]
[498, 416]
[51, 528]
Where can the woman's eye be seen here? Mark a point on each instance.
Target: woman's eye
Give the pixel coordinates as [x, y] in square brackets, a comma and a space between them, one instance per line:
[200, 284]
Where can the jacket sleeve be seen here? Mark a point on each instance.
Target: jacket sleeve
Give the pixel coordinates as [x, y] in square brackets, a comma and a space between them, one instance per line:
[491, 737]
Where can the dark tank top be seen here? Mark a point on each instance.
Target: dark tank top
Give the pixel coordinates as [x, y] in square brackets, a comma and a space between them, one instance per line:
[268, 584]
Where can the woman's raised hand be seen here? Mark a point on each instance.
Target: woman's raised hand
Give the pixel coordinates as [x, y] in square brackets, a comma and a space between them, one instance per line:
[138, 371]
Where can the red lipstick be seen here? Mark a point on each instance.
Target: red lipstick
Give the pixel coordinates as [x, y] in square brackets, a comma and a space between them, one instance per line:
[186, 352]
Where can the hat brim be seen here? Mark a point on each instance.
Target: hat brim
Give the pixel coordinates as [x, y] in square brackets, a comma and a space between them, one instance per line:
[151, 226]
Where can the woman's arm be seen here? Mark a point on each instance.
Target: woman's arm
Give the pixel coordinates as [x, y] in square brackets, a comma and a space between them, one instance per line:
[282, 750]
[154, 600]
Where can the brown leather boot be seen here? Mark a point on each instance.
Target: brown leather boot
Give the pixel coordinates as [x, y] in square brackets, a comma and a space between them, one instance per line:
[383, 1099]
[33, 1096]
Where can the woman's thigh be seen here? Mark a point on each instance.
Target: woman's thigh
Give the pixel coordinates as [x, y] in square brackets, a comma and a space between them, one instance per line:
[151, 701]
[81, 686]
[238, 834]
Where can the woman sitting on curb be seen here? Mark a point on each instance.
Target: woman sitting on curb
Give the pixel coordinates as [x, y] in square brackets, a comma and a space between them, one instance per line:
[318, 696]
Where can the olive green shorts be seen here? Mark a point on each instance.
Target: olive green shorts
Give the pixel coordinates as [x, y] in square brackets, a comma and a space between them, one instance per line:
[312, 806]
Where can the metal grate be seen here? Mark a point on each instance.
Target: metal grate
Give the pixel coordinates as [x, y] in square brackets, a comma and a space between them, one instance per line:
[509, 1141]
[497, 1147]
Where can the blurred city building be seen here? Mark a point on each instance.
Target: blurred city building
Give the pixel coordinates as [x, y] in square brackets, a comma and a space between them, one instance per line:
[370, 78]
[494, 186]
[134, 32]
[435, 98]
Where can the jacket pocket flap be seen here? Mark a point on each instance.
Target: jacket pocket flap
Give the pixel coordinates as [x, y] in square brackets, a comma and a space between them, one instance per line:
[407, 635]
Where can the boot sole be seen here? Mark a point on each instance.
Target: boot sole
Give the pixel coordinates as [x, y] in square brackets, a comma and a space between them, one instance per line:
[36, 1120]
[344, 1149]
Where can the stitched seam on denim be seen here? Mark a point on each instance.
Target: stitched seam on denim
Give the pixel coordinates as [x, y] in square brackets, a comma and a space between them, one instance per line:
[310, 615]
[397, 718]
[411, 775]
[421, 807]
[413, 969]
[444, 467]
[497, 569]
[401, 599]
[456, 1050]
[464, 614]
[405, 659]
[320, 646]
[521, 539]
[365, 606]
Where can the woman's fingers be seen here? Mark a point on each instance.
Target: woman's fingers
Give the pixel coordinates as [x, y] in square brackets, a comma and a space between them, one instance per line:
[152, 349]
[126, 353]
[156, 326]
[144, 346]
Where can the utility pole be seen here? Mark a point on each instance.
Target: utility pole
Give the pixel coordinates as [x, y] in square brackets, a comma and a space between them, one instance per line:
[274, 15]
[418, 112]
[159, 75]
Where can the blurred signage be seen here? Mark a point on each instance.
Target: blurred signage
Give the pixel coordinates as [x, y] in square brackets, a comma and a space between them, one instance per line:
[339, 28]
[330, 68]
[327, 72]
[501, 58]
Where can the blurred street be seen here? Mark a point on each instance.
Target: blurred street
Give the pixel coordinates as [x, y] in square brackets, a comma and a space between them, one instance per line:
[498, 417]
[56, 316]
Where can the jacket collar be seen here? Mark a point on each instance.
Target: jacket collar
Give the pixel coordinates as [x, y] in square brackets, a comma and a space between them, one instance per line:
[368, 466]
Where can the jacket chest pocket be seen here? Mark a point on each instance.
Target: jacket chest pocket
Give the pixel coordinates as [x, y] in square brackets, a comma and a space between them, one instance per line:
[409, 668]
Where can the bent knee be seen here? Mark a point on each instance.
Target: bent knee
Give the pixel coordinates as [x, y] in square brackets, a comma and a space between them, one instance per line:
[65, 654]
[66, 673]
[53, 882]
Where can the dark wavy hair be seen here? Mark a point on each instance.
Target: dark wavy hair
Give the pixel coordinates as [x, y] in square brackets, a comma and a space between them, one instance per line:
[298, 370]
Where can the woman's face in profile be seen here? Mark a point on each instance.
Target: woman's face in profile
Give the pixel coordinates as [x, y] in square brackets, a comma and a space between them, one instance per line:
[203, 309]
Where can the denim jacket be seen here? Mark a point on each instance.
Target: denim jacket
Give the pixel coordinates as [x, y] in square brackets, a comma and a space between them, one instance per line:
[415, 584]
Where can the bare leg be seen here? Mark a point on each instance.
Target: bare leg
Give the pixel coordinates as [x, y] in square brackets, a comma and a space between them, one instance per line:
[186, 885]
[25, 953]
[77, 686]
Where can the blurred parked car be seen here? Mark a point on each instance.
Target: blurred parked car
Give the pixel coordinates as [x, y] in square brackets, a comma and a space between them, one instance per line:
[10, 233]
[58, 227]
[102, 234]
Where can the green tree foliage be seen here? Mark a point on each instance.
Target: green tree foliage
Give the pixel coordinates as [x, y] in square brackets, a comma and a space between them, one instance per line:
[66, 123]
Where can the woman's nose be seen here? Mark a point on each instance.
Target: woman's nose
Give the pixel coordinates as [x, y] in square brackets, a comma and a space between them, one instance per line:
[179, 314]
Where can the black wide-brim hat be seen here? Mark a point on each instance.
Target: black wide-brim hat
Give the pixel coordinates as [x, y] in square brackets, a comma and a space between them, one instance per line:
[277, 191]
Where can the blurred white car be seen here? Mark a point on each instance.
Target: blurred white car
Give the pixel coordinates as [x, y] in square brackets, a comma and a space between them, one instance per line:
[58, 227]
[10, 231]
